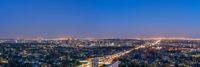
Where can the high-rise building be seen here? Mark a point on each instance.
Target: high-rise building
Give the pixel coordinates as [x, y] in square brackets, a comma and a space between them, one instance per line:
[93, 62]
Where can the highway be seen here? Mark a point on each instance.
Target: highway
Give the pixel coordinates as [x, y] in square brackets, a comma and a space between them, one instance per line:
[109, 59]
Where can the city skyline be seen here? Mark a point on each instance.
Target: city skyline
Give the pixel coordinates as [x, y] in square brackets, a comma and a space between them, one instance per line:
[99, 18]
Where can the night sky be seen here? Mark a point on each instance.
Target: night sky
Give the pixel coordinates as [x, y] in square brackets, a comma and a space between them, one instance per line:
[99, 18]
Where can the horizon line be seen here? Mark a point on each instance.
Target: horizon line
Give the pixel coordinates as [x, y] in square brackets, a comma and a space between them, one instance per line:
[139, 38]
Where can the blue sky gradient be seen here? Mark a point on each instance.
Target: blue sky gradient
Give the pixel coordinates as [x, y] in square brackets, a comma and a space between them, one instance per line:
[100, 18]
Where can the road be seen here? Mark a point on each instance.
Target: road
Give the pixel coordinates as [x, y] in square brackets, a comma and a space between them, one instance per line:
[109, 59]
